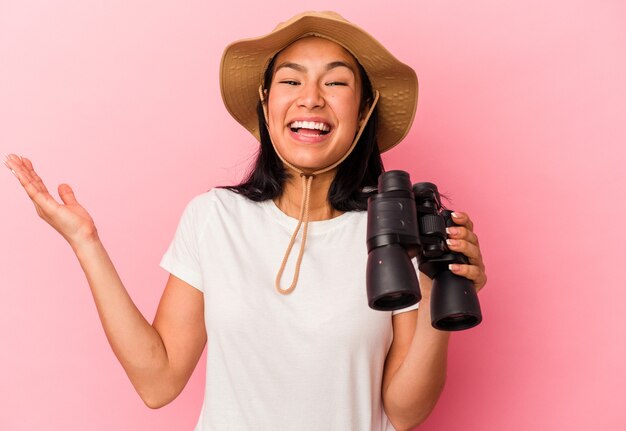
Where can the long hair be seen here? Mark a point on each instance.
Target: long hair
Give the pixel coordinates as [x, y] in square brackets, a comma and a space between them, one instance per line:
[357, 175]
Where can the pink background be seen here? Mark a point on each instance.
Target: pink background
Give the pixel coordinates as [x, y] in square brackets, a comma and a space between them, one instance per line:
[521, 120]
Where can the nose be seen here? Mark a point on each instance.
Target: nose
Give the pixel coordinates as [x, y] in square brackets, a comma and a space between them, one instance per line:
[311, 97]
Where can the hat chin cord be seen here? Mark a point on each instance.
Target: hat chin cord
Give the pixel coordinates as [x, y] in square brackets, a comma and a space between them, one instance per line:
[307, 180]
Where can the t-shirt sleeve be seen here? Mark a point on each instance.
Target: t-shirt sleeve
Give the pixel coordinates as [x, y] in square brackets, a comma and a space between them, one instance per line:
[182, 258]
[405, 309]
[410, 307]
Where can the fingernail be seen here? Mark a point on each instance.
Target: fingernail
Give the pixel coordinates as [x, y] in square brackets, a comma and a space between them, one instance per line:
[452, 230]
[455, 215]
[453, 267]
[451, 241]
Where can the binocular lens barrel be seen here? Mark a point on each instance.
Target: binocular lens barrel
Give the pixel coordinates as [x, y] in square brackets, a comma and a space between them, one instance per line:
[390, 278]
[394, 181]
[454, 303]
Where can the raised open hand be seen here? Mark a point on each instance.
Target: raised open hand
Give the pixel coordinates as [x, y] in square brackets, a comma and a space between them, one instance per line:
[69, 218]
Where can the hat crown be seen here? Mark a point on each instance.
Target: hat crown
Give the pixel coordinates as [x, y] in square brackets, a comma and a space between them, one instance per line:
[316, 14]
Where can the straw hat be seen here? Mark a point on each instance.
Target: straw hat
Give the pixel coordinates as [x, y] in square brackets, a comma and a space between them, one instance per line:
[244, 63]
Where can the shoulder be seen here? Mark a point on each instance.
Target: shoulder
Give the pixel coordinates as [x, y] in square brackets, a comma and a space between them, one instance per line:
[216, 198]
[219, 204]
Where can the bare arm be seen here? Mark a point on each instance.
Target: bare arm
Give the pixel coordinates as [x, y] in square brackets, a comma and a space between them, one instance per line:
[158, 358]
[415, 369]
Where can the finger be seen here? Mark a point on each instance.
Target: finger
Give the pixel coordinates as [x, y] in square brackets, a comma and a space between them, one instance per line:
[471, 272]
[7, 163]
[67, 194]
[14, 160]
[10, 162]
[460, 232]
[470, 250]
[16, 165]
[462, 219]
[32, 183]
[44, 202]
[40, 196]
[35, 178]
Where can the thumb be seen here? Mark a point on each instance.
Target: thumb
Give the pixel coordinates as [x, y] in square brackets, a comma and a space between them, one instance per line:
[67, 194]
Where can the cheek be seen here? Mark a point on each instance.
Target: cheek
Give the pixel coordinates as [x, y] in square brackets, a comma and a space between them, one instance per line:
[273, 121]
[347, 108]
[277, 109]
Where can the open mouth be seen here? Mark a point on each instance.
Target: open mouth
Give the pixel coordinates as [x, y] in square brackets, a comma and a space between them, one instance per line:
[310, 128]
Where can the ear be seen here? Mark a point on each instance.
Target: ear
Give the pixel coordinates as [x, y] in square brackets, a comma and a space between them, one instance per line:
[363, 114]
[366, 113]
[263, 96]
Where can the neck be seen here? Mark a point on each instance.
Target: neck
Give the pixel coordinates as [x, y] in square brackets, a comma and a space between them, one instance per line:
[320, 208]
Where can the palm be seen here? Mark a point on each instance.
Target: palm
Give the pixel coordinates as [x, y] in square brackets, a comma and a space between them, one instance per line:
[69, 218]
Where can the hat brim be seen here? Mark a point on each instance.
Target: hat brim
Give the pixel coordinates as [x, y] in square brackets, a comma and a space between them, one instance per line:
[244, 62]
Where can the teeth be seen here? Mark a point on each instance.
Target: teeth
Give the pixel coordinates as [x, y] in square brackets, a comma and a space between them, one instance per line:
[310, 125]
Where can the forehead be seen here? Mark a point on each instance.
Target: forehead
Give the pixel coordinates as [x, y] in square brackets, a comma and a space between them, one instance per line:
[313, 48]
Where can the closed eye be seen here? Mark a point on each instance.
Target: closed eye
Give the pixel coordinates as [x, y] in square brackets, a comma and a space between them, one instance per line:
[289, 82]
[336, 83]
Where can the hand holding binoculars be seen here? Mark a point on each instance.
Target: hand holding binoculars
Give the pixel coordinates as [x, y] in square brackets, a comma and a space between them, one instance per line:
[407, 221]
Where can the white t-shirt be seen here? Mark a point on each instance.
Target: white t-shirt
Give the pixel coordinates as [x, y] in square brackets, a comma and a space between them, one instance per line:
[310, 360]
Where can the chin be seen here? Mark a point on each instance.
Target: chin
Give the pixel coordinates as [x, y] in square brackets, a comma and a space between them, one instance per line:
[310, 166]
[312, 162]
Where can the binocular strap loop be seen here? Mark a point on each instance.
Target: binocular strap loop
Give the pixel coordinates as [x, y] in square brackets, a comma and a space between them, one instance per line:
[304, 219]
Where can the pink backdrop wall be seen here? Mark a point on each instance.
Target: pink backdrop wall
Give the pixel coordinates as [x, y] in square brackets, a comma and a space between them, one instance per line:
[521, 121]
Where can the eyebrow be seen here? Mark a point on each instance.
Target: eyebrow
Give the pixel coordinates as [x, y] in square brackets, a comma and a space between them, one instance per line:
[300, 68]
[335, 64]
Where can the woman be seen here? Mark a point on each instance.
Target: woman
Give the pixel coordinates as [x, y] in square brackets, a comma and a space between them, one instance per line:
[291, 345]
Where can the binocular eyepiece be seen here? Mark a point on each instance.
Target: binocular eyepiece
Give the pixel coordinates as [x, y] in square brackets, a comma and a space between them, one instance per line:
[404, 222]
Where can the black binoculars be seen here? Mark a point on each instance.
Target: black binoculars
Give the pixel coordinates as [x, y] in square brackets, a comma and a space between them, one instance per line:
[404, 222]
